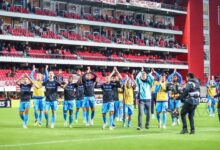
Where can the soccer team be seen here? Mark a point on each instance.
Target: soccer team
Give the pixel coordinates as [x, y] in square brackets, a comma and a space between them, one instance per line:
[118, 97]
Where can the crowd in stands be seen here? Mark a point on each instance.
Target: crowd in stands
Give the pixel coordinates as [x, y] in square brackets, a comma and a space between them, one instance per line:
[87, 53]
[127, 19]
[133, 38]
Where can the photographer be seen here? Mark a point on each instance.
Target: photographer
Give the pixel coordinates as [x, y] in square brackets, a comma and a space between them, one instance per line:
[175, 80]
[190, 97]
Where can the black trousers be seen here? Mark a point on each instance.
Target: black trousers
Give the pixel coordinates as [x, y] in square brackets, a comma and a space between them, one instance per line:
[218, 107]
[190, 110]
[153, 102]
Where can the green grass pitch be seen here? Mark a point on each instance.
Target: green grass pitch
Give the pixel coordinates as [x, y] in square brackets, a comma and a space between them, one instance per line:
[13, 136]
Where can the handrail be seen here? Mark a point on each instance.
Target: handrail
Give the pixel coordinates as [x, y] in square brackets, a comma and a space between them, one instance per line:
[90, 57]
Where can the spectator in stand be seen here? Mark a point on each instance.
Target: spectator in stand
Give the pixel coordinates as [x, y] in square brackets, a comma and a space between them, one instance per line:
[1, 25]
[8, 5]
[1, 47]
[12, 73]
[1, 2]
[29, 7]
[33, 10]
[9, 47]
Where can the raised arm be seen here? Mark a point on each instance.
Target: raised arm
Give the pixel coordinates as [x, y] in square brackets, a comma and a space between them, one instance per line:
[139, 75]
[46, 76]
[207, 84]
[157, 74]
[26, 75]
[133, 81]
[18, 81]
[170, 77]
[118, 73]
[32, 73]
[150, 79]
[112, 73]
[180, 77]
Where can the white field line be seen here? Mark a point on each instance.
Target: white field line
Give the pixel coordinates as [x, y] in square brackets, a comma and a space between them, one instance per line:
[71, 140]
[94, 139]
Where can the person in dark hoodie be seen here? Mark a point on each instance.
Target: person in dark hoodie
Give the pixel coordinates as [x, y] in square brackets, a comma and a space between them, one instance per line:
[190, 98]
[89, 82]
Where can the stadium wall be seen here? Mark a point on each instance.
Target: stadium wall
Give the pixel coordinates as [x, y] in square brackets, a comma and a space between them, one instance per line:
[192, 24]
[214, 17]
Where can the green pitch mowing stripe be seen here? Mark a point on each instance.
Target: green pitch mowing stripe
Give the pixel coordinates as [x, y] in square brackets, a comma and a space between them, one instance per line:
[13, 136]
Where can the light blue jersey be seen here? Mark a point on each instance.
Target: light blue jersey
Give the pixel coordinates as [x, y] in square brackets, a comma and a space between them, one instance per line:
[144, 86]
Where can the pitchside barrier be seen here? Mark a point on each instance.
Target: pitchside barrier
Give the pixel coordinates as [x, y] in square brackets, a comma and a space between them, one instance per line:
[15, 103]
[5, 103]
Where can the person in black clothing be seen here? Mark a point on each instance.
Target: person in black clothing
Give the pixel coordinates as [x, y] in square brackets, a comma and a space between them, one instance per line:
[190, 97]
[116, 81]
[218, 105]
[68, 100]
[79, 93]
[89, 81]
[25, 84]
[51, 87]
[108, 100]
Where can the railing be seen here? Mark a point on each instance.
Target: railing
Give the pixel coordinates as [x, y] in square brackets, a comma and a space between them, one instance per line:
[146, 4]
[169, 6]
[119, 41]
[110, 20]
[95, 58]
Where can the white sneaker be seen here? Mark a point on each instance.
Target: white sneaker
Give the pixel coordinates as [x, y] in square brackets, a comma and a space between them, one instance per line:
[120, 119]
[174, 123]
[25, 126]
[117, 119]
[104, 126]
[52, 126]
[84, 121]
[70, 126]
[111, 128]
[87, 124]
[124, 125]
[65, 124]
[91, 122]
[164, 127]
[160, 125]
[178, 121]
[152, 116]
[212, 115]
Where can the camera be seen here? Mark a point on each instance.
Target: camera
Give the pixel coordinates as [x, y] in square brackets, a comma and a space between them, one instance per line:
[174, 88]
